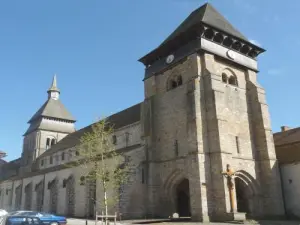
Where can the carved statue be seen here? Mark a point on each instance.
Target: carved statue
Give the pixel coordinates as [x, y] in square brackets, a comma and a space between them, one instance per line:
[229, 175]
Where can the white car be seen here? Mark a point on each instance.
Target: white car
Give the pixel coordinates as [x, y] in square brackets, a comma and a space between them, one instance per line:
[3, 212]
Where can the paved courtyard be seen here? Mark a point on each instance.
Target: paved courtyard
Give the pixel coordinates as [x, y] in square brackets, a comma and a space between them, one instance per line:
[159, 222]
[72, 221]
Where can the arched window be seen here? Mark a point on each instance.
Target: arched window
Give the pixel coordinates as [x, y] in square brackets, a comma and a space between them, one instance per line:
[53, 141]
[114, 139]
[232, 80]
[63, 156]
[228, 77]
[224, 78]
[48, 143]
[174, 82]
[82, 180]
[64, 183]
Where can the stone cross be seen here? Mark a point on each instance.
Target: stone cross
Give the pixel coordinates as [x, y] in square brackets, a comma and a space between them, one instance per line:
[229, 175]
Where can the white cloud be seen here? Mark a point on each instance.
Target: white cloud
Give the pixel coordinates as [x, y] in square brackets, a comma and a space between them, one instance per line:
[255, 42]
[274, 71]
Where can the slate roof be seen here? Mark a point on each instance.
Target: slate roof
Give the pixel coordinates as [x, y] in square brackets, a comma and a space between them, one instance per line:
[287, 137]
[189, 30]
[118, 120]
[53, 109]
[206, 14]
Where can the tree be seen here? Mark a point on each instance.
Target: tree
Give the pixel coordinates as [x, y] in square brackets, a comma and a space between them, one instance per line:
[101, 163]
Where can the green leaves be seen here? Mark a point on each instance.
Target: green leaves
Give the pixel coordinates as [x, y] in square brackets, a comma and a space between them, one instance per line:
[101, 164]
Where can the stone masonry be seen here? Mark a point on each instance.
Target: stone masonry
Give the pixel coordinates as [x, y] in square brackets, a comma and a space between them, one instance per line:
[203, 109]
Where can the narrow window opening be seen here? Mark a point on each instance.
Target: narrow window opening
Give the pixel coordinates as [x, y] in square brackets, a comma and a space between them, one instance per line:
[82, 180]
[64, 183]
[143, 176]
[42, 162]
[224, 78]
[237, 144]
[114, 139]
[48, 143]
[232, 81]
[77, 153]
[51, 159]
[175, 82]
[63, 156]
[176, 148]
[53, 141]
[126, 138]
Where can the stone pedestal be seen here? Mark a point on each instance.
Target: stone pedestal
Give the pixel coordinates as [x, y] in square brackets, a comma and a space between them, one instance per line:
[238, 216]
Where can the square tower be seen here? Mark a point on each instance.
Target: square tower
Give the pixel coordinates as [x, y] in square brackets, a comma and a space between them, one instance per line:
[51, 123]
[204, 112]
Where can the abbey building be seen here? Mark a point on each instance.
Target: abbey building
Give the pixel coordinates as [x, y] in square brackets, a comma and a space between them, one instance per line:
[203, 109]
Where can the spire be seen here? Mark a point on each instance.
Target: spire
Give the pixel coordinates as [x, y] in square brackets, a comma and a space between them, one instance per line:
[53, 91]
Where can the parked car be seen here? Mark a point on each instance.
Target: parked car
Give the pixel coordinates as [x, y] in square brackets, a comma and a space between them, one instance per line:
[3, 212]
[22, 220]
[16, 212]
[45, 218]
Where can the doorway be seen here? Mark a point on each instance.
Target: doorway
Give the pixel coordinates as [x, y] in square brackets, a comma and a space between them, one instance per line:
[183, 199]
[241, 196]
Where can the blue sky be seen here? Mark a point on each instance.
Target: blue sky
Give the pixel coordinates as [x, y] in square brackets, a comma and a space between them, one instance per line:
[93, 47]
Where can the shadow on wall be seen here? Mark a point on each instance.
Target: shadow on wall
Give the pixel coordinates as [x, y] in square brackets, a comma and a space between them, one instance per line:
[270, 201]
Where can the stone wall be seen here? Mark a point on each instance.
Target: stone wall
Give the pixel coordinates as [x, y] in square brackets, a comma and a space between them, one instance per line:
[196, 129]
[54, 188]
[291, 183]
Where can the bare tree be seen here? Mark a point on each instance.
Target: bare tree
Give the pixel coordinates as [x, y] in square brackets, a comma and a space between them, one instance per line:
[102, 164]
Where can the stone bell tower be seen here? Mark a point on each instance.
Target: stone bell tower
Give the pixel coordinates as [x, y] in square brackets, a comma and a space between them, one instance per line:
[48, 125]
[204, 110]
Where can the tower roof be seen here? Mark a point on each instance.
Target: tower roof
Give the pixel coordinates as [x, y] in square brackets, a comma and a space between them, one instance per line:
[206, 14]
[198, 24]
[53, 109]
[53, 85]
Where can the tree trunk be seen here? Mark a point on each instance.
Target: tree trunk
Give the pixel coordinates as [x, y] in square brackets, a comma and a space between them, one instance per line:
[104, 188]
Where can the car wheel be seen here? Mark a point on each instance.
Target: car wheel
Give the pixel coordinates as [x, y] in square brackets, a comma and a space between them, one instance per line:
[54, 223]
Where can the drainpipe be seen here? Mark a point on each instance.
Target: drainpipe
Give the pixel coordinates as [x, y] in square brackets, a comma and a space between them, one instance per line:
[282, 191]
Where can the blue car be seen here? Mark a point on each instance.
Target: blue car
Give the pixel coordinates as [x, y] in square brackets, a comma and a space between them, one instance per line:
[45, 218]
[22, 220]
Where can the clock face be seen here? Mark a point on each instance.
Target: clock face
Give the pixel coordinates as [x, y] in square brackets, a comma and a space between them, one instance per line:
[230, 54]
[170, 59]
